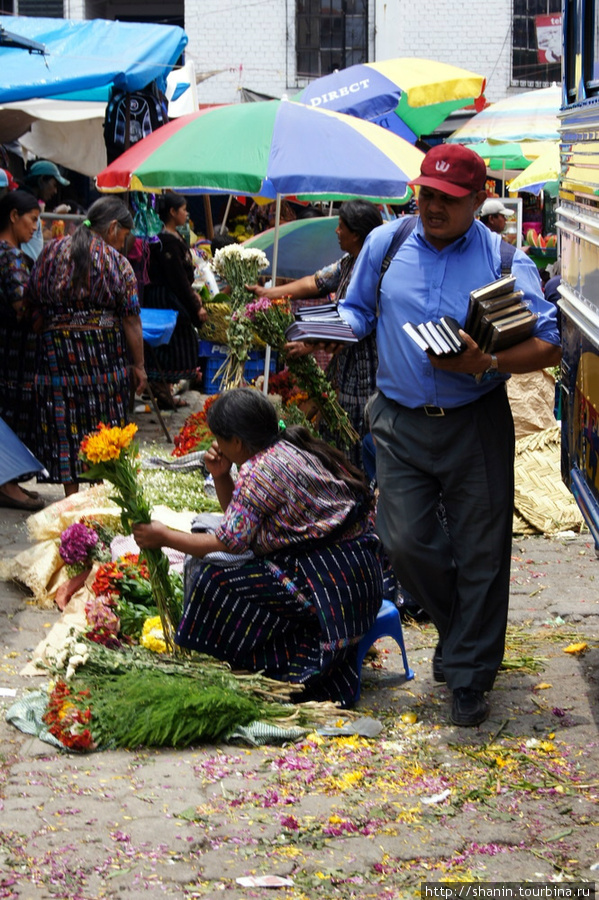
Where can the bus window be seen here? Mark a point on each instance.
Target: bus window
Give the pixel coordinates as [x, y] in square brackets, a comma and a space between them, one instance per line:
[591, 48]
[570, 50]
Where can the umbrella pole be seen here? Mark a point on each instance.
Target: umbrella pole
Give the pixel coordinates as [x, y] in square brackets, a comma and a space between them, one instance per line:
[275, 259]
[226, 215]
[208, 215]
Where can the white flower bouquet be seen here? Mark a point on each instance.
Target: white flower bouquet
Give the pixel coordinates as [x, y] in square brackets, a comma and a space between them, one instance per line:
[239, 266]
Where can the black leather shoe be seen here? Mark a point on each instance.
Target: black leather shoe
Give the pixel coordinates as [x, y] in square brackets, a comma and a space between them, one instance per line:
[469, 707]
[438, 673]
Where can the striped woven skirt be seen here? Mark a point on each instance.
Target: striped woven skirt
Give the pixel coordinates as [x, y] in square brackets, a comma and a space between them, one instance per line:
[84, 381]
[19, 353]
[295, 617]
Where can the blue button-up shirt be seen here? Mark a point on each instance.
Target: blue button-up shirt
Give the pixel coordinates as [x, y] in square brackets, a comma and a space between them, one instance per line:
[423, 284]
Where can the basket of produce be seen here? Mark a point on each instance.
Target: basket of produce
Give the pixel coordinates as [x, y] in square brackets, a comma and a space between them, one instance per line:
[215, 327]
[541, 247]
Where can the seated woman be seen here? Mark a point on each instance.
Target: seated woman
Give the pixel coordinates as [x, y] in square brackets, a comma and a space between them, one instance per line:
[308, 581]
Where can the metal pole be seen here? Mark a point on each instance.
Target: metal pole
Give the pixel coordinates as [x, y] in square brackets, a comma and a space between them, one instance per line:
[226, 215]
[275, 259]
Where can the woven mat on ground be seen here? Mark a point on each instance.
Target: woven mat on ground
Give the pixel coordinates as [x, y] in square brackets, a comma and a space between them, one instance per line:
[542, 502]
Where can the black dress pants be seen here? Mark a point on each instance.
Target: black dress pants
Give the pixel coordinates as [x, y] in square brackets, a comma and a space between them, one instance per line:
[460, 576]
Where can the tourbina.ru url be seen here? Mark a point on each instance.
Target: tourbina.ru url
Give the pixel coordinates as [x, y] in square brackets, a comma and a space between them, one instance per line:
[506, 890]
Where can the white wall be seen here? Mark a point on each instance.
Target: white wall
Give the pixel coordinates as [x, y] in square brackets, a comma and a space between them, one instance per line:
[243, 42]
[74, 9]
[246, 43]
[473, 34]
[251, 44]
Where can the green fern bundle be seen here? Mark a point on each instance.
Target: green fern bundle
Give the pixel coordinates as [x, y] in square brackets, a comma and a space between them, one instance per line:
[155, 709]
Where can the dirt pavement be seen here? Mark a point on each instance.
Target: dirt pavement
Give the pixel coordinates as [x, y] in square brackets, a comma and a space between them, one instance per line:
[514, 800]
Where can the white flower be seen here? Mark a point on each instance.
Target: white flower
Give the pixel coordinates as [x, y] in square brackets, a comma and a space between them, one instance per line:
[235, 257]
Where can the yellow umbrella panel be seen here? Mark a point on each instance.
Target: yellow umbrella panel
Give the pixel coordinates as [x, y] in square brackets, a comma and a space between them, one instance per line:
[540, 172]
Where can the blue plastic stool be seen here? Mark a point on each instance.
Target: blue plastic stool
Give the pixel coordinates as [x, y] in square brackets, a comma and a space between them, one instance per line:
[387, 624]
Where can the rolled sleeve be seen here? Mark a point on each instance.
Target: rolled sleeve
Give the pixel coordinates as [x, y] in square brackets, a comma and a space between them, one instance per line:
[358, 307]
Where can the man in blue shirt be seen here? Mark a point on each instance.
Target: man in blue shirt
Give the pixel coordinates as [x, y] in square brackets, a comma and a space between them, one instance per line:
[440, 430]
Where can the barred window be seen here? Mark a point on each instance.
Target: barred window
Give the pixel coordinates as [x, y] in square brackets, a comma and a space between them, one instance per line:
[536, 43]
[51, 9]
[330, 35]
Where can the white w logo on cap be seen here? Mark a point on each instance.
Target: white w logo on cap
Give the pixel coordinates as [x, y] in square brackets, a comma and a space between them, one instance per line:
[442, 166]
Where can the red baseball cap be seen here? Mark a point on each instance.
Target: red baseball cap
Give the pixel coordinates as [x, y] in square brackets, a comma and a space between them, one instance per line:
[6, 180]
[452, 169]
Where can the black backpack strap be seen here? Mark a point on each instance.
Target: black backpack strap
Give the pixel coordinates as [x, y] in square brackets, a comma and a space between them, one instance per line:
[507, 255]
[403, 231]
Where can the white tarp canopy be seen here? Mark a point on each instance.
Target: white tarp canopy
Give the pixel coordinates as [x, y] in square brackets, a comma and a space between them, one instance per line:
[55, 103]
[70, 132]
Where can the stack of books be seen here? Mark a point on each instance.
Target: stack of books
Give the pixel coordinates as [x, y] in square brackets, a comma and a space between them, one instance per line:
[497, 319]
[441, 338]
[320, 323]
[497, 316]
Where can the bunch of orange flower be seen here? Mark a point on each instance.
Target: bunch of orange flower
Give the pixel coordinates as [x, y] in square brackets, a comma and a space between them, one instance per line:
[195, 434]
[110, 454]
[128, 576]
[106, 443]
[68, 716]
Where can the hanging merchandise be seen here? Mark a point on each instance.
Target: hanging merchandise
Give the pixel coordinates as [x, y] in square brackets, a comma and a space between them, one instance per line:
[131, 117]
[146, 221]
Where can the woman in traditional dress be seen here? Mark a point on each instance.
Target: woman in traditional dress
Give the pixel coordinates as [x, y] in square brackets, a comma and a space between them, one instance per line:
[19, 346]
[290, 579]
[19, 214]
[171, 274]
[352, 370]
[85, 294]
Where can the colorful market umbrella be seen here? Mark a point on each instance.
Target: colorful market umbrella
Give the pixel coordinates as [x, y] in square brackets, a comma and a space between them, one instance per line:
[529, 116]
[304, 246]
[542, 174]
[407, 95]
[272, 148]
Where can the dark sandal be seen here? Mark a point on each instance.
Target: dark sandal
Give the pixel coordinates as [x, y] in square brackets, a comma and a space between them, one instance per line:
[30, 504]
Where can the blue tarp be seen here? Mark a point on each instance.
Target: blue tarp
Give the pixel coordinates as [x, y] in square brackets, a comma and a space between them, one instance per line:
[85, 57]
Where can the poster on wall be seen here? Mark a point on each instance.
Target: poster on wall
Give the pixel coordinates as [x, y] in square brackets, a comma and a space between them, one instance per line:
[549, 38]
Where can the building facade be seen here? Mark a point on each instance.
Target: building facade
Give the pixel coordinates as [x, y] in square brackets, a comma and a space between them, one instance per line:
[274, 47]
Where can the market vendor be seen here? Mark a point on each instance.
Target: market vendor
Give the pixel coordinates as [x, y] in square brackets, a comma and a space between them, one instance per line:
[352, 370]
[291, 578]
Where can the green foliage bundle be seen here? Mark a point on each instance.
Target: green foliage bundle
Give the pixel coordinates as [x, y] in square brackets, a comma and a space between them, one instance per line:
[155, 709]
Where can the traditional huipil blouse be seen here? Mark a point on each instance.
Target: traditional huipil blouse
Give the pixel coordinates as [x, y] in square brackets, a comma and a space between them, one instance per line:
[285, 496]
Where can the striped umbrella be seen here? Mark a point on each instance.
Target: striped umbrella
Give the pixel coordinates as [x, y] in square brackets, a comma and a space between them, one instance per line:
[270, 148]
[510, 155]
[274, 148]
[305, 246]
[542, 174]
[529, 116]
[407, 95]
